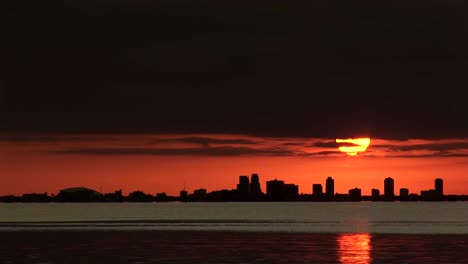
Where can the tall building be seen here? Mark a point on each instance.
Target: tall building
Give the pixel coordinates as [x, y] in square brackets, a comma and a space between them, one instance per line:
[389, 189]
[255, 189]
[375, 194]
[290, 192]
[317, 190]
[439, 187]
[404, 194]
[330, 188]
[279, 191]
[354, 194]
[243, 186]
[274, 190]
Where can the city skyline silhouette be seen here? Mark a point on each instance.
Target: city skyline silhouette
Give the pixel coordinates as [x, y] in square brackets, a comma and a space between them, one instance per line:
[249, 190]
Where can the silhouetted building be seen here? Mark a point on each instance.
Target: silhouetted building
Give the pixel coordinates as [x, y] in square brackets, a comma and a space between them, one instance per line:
[199, 195]
[375, 193]
[114, 197]
[222, 196]
[255, 189]
[35, 198]
[183, 196]
[404, 194]
[290, 192]
[140, 197]
[354, 194]
[317, 191]
[274, 190]
[278, 191]
[389, 189]
[341, 197]
[161, 197]
[439, 188]
[330, 188]
[243, 187]
[428, 195]
[79, 194]
[10, 199]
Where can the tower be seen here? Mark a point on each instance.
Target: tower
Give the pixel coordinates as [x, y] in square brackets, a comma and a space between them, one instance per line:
[255, 190]
[389, 189]
[330, 188]
[317, 190]
[439, 188]
[243, 187]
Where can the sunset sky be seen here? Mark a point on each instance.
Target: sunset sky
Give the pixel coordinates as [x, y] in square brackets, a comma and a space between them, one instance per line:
[155, 95]
[164, 163]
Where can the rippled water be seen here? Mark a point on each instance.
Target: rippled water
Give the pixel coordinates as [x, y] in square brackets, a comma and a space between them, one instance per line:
[216, 233]
[365, 217]
[227, 247]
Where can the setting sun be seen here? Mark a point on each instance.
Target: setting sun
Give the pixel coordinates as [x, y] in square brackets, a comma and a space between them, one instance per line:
[353, 146]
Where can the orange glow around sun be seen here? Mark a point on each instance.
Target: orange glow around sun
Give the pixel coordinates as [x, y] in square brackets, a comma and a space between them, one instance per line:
[356, 146]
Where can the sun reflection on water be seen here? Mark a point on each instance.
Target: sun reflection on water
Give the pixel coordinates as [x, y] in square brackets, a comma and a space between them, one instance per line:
[354, 248]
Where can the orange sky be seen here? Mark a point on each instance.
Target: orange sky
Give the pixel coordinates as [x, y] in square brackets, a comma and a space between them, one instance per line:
[164, 163]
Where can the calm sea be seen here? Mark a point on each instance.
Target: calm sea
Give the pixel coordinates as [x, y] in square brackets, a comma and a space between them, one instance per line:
[234, 233]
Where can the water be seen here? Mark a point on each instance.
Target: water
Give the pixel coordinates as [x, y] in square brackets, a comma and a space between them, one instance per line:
[364, 217]
[234, 233]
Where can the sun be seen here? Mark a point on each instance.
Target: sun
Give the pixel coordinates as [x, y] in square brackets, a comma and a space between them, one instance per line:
[353, 146]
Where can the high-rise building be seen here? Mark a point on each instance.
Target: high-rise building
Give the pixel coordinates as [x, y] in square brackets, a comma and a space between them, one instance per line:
[275, 190]
[389, 189]
[255, 184]
[330, 188]
[255, 189]
[279, 191]
[354, 194]
[439, 187]
[404, 194]
[375, 194]
[243, 186]
[290, 192]
[317, 190]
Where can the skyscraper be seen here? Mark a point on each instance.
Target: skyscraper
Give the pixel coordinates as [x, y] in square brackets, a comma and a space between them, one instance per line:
[243, 186]
[439, 188]
[375, 194]
[389, 189]
[255, 190]
[330, 188]
[404, 194]
[317, 190]
[275, 190]
[354, 194]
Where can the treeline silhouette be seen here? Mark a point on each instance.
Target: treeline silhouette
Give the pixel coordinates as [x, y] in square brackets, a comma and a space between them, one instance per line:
[248, 190]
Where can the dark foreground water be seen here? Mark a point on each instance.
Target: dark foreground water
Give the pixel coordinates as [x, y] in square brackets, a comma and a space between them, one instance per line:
[234, 233]
[34, 247]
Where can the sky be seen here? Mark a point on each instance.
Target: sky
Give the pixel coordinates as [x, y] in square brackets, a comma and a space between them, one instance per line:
[152, 95]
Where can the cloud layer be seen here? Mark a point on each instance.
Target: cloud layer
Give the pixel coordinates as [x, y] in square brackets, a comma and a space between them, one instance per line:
[225, 146]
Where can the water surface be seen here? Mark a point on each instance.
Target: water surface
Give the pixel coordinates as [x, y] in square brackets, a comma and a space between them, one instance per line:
[234, 233]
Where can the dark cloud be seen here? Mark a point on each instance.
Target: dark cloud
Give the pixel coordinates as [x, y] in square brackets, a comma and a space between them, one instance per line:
[213, 151]
[440, 147]
[332, 144]
[322, 153]
[45, 138]
[433, 155]
[323, 69]
[205, 141]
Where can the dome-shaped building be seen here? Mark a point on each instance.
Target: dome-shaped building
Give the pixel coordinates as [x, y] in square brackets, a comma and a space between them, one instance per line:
[79, 195]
